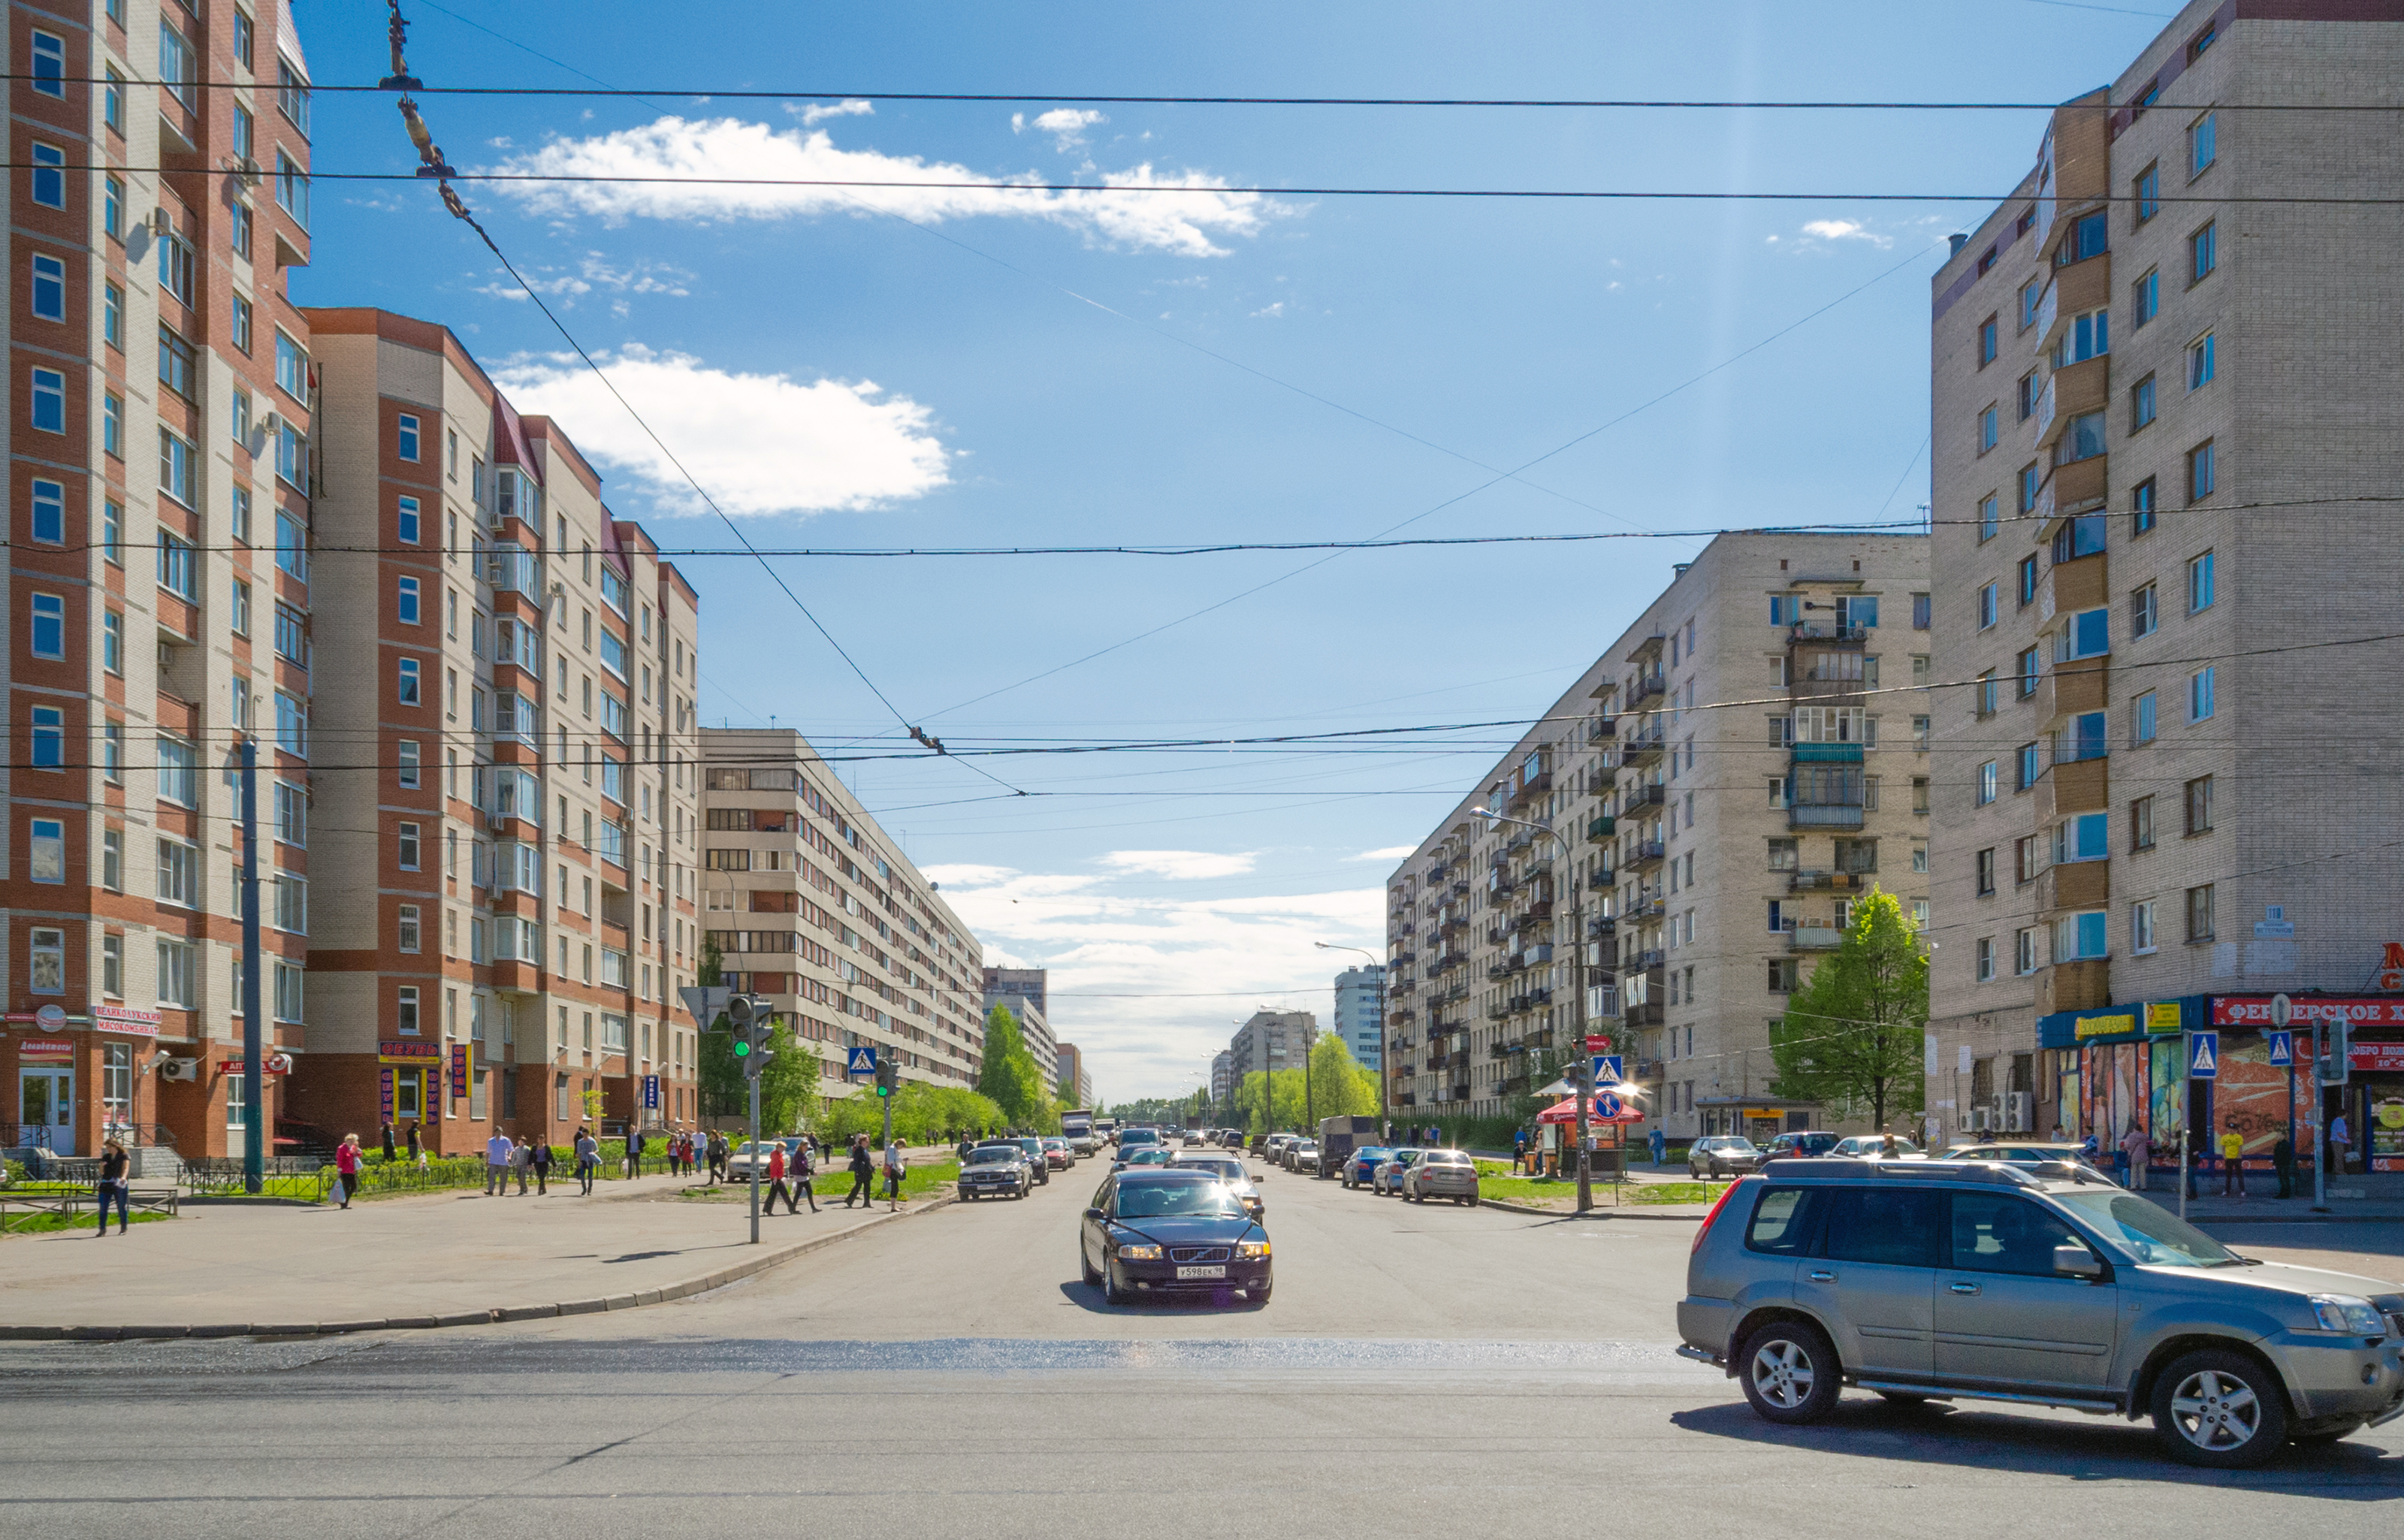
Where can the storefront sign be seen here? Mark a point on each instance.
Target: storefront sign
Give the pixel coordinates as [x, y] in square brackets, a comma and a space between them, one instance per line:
[408, 1053]
[2162, 1017]
[2389, 974]
[125, 1021]
[2104, 1027]
[41, 1050]
[51, 1018]
[2377, 1057]
[2255, 1010]
[460, 1059]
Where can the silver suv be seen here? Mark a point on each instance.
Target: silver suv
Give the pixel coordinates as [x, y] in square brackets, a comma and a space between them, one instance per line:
[2046, 1284]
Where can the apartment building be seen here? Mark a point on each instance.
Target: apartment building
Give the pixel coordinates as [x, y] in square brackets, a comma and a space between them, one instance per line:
[1711, 796]
[140, 602]
[811, 904]
[1033, 984]
[1076, 1087]
[2165, 380]
[1223, 1077]
[1023, 992]
[1270, 1040]
[1360, 1014]
[505, 767]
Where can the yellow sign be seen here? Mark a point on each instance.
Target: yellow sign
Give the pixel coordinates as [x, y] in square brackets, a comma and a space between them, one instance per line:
[2390, 1114]
[2163, 1018]
[2103, 1025]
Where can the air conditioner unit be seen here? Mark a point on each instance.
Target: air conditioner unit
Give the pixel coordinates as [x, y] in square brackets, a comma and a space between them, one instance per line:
[180, 1069]
[1977, 1120]
[2019, 1111]
[161, 222]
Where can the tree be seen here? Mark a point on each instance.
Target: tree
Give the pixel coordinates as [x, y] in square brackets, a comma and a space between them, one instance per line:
[1011, 1078]
[1851, 1037]
[789, 1082]
[1339, 1085]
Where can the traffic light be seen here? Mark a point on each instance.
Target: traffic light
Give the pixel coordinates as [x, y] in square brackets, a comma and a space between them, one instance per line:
[2338, 1047]
[748, 1016]
[888, 1075]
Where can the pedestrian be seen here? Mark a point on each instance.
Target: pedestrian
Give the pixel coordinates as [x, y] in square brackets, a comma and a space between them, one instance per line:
[633, 1152]
[2232, 1161]
[114, 1164]
[498, 1152]
[416, 1146]
[863, 1175]
[2283, 1160]
[806, 1171]
[346, 1164]
[2341, 1145]
[776, 1187]
[388, 1142]
[893, 1172]
[1519, 1149]
[539, 1159]
[966, 1149]
[2137, 1153]
[680, 1153]
[1660, 1143]
[588, 1160]
[717, 1157]
[522, 1162]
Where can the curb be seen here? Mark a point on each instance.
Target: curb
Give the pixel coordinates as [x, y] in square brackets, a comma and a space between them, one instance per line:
[1625, 1212]
[662, 1294]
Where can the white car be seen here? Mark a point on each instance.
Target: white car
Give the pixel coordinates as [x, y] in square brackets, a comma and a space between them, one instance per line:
[1874, 1147]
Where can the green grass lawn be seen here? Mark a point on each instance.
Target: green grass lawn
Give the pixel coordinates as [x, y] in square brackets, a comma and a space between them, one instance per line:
[39, 1223]
[1526, 1189]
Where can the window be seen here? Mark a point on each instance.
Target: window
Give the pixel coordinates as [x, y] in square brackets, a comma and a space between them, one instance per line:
[409, 521]
[2199, 694]
[1989, 609]
[242, 223]
[2149, 194]
[1986, 342]
[245, 33]
[2026, 673]
[2082, 739]
[1920, 801]
[2141, 927]
[2148, 290]
[179, 874]
[242, 514]
[408, 436]
[50, 626]
[177, 364]
[2141, 719]
[175, 266]
[291, 725]
[1986, 705]
[112, 967]
[112, 425]
[2079, 938]
[1987, 520]
[49, 175]
[112, 315]
[2027, 584]
[2031, 293]
[49, 296]
[2199, 913]
[291, 454]
[2198, 806]
[292, 189]
[50, 65]
[176, 469]
[112, 753]
[176, 983]
[2202, 253]
[50, 400]
[112, 207]
[2200, 362]
[49, 735]
[1986, 964]
[2086, 634]
[112, 642]
[2201, 475]
[2086, 336]
[2199, 583]
[2140, 824]
[2141, 404]
[2091, 236]
[291, 904]
[2079, 537]
[2086, 838]
[2082, 440]
[50, 511]
[2031, 479]
[2202, 144]
[1920, 608]
[288, 1004]
[243, 323]
[411, 692]
[292, 94]
[2141, 507]
[405, 601]
[1986, 430]
[291, 547]
[291, 367]
[2025, 952]
[291, 815]
[1987, 783]
[409, 765]
[410, 937]
[2027, 396]
[2027, 768]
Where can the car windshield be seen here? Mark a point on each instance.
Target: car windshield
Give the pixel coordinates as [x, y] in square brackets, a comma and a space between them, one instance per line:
[1446, 1157]
[1147, 1158]
[1225, 1171]
[994, 1156]
[1182, 1199]
[2157, 1236]
[1373, 1153]
[1727, 1142]
[1406, 1157]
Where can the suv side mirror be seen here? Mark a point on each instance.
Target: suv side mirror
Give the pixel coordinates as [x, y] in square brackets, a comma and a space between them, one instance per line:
[2076, 1262]
[1097, 1213]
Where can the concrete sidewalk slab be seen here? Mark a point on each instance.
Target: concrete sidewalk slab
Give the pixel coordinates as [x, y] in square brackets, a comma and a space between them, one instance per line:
[443, 1259]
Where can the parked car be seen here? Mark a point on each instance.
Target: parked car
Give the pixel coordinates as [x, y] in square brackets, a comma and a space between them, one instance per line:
[1442, 1174]
[1057, 1156]
[740, 1159]
[1172, 1232]
[1034, 1157]
[995, 1170]
[1227, 1168]
[1721, 1154]
[2022, 1152]
[1272, 1148]
[1388, 1178]
[1811, 1141]
[1873, 1146]
[1971, 1280]
[1301, 1155]
[1363, 1165]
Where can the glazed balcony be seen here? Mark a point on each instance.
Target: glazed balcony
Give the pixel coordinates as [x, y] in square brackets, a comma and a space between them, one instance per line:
[2072, 392]
[2072, 687]
[2084, 583]
[2071, 488]
[2075, 290]
[2083, 786]
[2076, 885]
[1599, 830]
[2082, 986]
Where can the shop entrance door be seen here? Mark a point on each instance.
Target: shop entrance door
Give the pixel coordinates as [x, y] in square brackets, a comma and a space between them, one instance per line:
[45, 1108]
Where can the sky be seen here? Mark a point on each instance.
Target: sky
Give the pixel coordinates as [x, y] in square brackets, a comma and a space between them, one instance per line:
[937, 368]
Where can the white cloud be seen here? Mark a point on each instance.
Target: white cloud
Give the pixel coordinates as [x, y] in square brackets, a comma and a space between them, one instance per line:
[1066, 125]
[596, 272]
[761, 443]
[1833, 231]
[770, 165]
[1390, 852]
[1272, 311]
[1176, 863]
[818, 112]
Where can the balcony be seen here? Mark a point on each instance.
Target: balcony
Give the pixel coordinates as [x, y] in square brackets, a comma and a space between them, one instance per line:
[1602, 729]
[1530, 786]
[2081, 583]
[2070, 393]
[1459, 1092]
[2070, 689]
[1823, 815]
[1600, 873]
[2082, 986]
[1640, 853]
[1651, 906]
[1651, 647]
[2079, 288]
[2076, 885]
[1640, 748]
[1652, 960]
[1826, 632]
[1603, 925]
[2071, 488]
[1814, 938]
[1436, 873]
[1654, 795]
[1601, 829]
[1813, 882]
[2083, 786]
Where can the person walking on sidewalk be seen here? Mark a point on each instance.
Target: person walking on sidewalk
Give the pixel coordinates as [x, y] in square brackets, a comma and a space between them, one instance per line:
[776, 1187]
[717, 1157]
[499, 1152]
[2138, 1151]
[416, 1146]
[1660, 1143]
[114, 1164]
[538, 1159]
[2283, 1160]
[347, 1165]
[2340, 1140]
[588, 1160]
[806, 1171]
[863, 1173]
[893, 1172]
[388, 1142]
[633, 1152]
[522, 1162]
[2232, 1161]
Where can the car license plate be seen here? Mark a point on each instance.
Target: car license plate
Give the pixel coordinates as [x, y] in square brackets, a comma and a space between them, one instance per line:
[1202, 1272]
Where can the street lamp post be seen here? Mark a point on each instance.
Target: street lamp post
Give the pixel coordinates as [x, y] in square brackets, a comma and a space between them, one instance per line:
[1580, 1075]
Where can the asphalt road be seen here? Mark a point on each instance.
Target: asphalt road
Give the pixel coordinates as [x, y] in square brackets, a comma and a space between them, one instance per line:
[1420, 1371]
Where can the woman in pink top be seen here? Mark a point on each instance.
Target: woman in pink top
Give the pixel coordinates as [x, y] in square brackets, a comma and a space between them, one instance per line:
[346, 1167]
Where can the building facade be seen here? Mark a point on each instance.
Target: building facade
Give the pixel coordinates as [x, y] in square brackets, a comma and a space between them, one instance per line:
[506, 745]
[811, 904]
[1023, 992]
[140, 601]
[1710, 798]
[1223, 1077]
[1270, 1041]
[1360, 1014]
[2159, 398]
[1076, 1087]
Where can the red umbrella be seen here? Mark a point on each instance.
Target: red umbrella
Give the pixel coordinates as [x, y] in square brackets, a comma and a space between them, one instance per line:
[1566, 1111]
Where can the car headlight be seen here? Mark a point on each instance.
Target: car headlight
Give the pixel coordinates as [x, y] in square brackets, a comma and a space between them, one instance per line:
[2345, 1312]
[1251, 1249]
[1140, 1254]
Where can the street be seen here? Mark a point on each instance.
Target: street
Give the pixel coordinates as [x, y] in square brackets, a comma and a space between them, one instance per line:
[1420, 1369]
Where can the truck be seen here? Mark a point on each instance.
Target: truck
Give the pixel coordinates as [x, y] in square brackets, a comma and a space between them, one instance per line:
[1077, 1128]
[1339, 1137]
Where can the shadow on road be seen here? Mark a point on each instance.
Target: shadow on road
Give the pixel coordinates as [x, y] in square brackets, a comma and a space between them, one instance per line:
[1088, 1297]
[2090, 1449]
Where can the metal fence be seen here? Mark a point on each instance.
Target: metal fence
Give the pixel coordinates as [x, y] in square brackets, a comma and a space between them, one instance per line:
[217, 1175]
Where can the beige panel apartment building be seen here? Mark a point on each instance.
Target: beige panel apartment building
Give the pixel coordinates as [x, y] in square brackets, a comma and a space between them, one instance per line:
[1740, 764]
[1270, 1041]
[506, 774]
[2160, 391]
[813, 905]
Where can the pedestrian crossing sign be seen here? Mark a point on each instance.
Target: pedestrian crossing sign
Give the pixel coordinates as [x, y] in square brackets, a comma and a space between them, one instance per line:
[2203, 1059]
[2283, 1049]
[863, 1060]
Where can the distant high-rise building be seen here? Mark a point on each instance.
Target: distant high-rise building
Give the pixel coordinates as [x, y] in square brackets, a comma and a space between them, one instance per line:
[1271, 1040]
[1222, 1076]
[1076, 1086]
[1361, 1012]
[1032, 983]
[1023, 990]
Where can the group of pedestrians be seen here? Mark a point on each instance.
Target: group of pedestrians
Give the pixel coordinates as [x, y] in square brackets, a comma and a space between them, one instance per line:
[528, 1161]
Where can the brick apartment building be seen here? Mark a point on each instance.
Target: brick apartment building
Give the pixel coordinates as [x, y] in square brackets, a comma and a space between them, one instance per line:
[154, 614]
[1713, 851]
[504, 771]
[2166, 781]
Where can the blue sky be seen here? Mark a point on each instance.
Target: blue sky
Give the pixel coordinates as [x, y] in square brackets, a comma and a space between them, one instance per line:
[941, 368]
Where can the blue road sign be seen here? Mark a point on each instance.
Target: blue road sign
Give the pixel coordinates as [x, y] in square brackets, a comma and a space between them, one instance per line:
[2203, 1059]
[2282, 1048]
[1607, 1070]
[1606, 1105]
[863, 1060]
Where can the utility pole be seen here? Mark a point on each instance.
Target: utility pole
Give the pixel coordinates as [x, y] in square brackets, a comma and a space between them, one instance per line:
[254, 1105]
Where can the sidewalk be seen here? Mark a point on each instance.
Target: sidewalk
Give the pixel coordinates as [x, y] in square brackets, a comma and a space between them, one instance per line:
[440, 1259]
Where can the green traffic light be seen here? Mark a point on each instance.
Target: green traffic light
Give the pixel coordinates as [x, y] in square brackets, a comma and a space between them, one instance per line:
[742, 1048]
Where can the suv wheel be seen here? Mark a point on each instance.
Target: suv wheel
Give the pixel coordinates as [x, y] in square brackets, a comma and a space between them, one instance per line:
[1789, 1372]
[2219, 1408]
